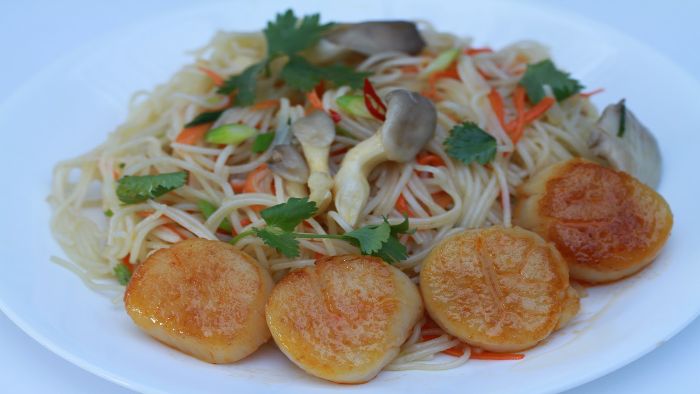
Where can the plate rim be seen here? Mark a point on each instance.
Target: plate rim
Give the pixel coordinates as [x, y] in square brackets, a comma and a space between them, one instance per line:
[87, 46]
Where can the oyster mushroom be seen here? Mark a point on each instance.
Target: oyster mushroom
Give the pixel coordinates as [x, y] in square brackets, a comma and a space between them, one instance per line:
[286, 162]
[369, 38]
[373, 37]
[410, 124]
[627, 145]
[316, 132]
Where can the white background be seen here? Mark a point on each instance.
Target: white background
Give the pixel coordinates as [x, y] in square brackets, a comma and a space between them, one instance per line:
[32, 34]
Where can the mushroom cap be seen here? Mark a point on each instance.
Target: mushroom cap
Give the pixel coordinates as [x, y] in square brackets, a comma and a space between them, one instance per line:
[288, 163]
[410, 123]
[635, 151]
[373, 37]
[316, 129]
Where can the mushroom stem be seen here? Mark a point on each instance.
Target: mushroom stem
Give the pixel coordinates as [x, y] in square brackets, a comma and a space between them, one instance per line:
[316, 133]
[351, 186]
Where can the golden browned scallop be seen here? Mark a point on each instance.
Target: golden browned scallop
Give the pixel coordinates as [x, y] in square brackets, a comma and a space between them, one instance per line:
[344, 318]
[500, 289]
[605, 223]
[205, 298]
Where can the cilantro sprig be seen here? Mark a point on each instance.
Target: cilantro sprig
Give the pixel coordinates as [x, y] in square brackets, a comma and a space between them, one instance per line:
[288, 36]
[379, 240]
[133, 189]
[545, 73]
[469, 143]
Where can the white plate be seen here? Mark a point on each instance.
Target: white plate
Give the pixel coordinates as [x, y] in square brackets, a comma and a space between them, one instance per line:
[70, 107]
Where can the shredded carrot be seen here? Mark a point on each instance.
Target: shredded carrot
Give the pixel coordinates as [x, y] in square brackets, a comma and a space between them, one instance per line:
[442, 199]
[237, 186]
[515, 127]
[538, 110]
[215, 77]
[244, 222]
[115, 174]
[450, 72]
[127, 263]
[497, 104]
[496, 356]
[272, 103]
[592, 92]
[144, 214]
[476, 51]
[192, 135]
[402, 206]
[456, 351]
[483, 74]
[249, 186]
[429, 159]
[318, 255]
[315, 102]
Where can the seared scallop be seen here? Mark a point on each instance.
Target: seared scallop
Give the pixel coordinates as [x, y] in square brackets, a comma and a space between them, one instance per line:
[500, 289]
[205, 298]
[344, 318]
[605, 223]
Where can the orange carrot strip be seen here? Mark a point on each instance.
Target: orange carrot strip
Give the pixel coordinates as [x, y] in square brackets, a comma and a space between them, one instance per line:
[442, 199]
[237, 186]
[318, 255]
[429, 159]
[476, 51]
[192, 135]
[144, 214]
[538, 110]
[249, 186]
[272, 103]
[497, 104]
[314, 100]
[496, 356]
[215, 77]
[176, 229]
[456, 351]
[592, 92]
[244, 222]
[127, 263]
[402, 206]
[515, 127]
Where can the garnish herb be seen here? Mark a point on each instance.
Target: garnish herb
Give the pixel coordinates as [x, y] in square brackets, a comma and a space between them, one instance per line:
[379, 240]
[134, 189]
[109, 213]
[545, 73]
[623, 116]
[262, 142]
[123, 274]
[204, 117]
[467, 143]
[354, 105]
[208, 209]
[287, 36]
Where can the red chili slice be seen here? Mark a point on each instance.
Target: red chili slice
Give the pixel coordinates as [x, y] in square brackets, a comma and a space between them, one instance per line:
[373, 102]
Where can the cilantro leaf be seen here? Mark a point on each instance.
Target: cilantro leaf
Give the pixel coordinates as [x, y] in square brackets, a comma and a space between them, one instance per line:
[262, 142]
[286, 35]
[134, 189]
[205, 117]
[123, 274]
[244, 84]
[300, 74]
[288, 215]
[392, 251]
[279, 239]
[545, 73]
[468, 143]
[401, 228]
[370, 238]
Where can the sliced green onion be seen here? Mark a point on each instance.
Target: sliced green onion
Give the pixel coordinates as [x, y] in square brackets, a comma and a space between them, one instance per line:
[354, 105]
[208, 209]
[122, 273]
[441, 62]
[262, 142]
[230, 134]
